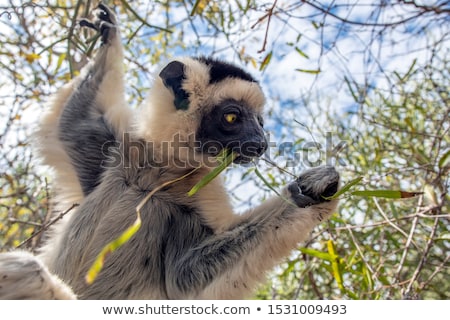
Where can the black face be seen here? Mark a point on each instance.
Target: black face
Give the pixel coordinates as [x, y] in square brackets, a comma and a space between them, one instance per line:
[233, 126]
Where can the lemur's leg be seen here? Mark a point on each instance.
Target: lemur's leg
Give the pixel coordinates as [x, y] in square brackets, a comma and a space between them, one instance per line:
[96, 115]
[23, 276]
[258, 242]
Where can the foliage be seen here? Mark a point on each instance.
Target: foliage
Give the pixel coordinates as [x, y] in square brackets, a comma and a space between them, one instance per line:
[393, 119]
[384, 248]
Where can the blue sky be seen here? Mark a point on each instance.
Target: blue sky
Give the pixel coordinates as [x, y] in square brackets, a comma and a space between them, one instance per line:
[363, 55]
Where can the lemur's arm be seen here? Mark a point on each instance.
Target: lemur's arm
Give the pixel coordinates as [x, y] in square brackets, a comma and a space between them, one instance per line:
[227, 264]
[95, 115]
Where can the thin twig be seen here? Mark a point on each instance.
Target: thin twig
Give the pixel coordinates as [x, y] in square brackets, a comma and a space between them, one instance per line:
[327, 11]
[392, 224]
[278, 167]
[314, 286]
[423, 259]
[438, 9]
[31, 223]
[70, 35]
[408, 242]
[268, 15]
[48, 214]
[361, 253]
[435, 272]
[308, 129]
[165, 184]
[45, 227]
[137, 16]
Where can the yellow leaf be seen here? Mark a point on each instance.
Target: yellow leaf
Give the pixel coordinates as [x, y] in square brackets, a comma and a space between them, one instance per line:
[199, 7]
[31, 57]
[157, 37]
[335, 264]
[18, 76]
[110, 248]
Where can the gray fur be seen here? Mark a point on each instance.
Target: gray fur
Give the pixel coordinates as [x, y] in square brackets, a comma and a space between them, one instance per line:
[22, 276]
[82, 129]
[180, 251]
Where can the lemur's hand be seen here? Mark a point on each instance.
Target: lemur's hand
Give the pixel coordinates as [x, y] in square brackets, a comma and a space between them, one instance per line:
[314, 185]
[104, 22]
[23, 276]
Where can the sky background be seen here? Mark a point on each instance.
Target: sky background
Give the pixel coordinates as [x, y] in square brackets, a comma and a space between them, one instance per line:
[364, 55]
[313, 58]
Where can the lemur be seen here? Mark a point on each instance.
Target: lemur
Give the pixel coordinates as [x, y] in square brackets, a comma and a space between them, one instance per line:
[107, 157]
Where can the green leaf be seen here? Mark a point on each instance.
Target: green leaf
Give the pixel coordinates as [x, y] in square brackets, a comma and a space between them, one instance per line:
[394, 210]
[317, 71]
[246, 173]
[410, 124]
[60, 61]
[335, 265]
[367, 277]
[289, 269]
[225, 159]
[264, 180]
[345, 188]
[268, 185]
[300, 52]
[384, 280]
[266, 61]
[444, 159]
[351, 294]
[408, 73]
[316, 253]
[390, 194]
[350, 88]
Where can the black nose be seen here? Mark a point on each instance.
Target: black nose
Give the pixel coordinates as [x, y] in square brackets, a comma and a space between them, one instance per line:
[254, 148]
[262, 147]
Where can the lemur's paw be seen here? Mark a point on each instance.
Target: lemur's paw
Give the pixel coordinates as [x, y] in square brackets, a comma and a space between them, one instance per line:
[104, 22]
[23, 276]
[314, 185]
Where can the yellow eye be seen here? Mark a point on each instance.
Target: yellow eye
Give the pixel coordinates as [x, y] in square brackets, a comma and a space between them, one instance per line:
[230, 117]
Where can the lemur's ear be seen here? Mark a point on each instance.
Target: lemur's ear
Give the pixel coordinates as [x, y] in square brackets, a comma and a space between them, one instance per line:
[172, 76]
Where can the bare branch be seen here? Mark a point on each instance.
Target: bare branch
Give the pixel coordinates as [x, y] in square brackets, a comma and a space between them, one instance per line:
[46, 226]
[423, 259]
